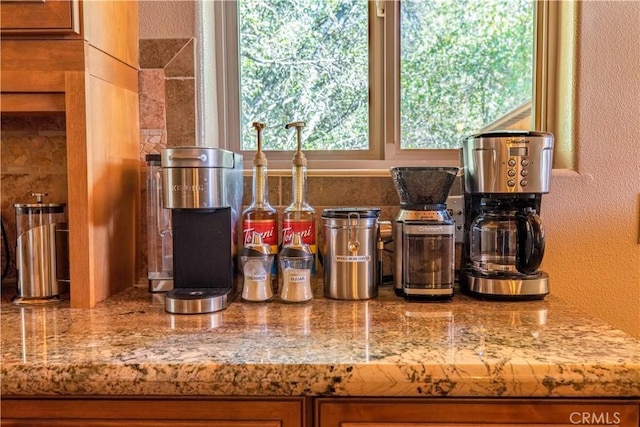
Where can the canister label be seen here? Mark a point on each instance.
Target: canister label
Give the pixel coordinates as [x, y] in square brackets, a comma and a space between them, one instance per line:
[353, 258]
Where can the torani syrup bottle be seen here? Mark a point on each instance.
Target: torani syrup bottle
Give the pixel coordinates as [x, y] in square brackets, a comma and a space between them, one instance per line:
[260, 217]
[299, 217]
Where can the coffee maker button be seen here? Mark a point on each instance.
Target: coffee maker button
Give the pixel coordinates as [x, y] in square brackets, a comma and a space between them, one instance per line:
[511, 172]
[511, 162]
[524, 183]
[511, 183]
[524, 172]
[524, 162]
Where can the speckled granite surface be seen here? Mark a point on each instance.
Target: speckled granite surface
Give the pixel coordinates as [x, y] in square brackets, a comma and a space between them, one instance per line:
[129, 345]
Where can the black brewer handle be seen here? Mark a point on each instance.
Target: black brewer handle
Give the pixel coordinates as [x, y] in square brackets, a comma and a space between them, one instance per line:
[529, 243]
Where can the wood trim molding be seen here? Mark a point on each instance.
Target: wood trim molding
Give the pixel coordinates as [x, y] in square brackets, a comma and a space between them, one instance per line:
[43, 55]
[108, 68]
[34, 81]
[83, 292]
[32, 102]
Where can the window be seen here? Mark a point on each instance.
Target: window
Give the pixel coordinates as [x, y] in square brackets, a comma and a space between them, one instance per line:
[465, 67]
[382, 83]
[305, 60]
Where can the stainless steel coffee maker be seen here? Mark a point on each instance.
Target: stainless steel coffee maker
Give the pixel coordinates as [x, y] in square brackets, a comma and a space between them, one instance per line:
[505, 175]
[424, 233]
[203, 188]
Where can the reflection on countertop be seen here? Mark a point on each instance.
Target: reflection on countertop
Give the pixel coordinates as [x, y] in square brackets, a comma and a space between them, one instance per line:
[128, 345]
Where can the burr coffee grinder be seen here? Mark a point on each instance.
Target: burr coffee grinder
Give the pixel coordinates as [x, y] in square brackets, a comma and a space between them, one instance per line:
[424, 233]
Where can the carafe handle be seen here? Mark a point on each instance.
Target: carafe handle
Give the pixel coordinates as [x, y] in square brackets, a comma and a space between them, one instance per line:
[529, 243]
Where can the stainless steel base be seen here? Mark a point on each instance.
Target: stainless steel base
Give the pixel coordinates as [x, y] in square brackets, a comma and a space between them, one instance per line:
[196, 300]
[536, 287]
[427, 294]
[36, 301]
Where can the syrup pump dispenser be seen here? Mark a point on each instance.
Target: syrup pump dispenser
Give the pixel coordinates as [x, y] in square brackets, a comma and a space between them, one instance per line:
[260, 217]
[299, 216]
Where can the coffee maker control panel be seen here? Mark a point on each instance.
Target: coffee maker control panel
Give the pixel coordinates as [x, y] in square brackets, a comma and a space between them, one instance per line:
[508, 162]
[518, 168]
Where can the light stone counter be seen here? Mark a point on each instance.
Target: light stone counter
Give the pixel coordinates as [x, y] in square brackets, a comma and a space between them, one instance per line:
[129, 345]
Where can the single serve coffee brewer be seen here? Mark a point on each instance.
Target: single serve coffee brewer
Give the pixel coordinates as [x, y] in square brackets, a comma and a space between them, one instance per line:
[203, 188]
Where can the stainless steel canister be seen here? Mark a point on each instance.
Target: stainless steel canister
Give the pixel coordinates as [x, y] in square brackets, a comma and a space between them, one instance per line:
[42, 252]
[350, 253]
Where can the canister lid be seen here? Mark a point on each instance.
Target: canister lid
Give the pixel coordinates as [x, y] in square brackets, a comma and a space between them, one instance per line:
[347, 212]
[153, 159]
[512, 133]
[39, 207]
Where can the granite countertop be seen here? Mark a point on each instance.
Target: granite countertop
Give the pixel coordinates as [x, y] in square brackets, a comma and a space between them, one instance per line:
[128, 345]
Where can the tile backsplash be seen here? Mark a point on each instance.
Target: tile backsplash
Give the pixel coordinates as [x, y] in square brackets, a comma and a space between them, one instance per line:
[33, 160]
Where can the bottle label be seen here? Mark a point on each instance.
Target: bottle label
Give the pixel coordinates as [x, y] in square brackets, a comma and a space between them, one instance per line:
[307, 230]
[265, 227]
[296, 285]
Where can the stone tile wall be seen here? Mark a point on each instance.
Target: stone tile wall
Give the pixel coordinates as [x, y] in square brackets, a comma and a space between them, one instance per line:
[33, 160]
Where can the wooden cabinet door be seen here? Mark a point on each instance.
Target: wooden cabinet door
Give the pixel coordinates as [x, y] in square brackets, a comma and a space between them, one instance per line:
[39, 17]
[473, 412]
[156, 412]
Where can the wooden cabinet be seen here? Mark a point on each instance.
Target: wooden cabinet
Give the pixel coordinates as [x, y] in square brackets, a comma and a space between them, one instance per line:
[84, 64]
[40, 17]
[156, 412]
[428, 412]
[325, 412]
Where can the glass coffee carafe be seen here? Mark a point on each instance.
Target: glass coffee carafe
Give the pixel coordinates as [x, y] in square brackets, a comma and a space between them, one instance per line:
[506, 241]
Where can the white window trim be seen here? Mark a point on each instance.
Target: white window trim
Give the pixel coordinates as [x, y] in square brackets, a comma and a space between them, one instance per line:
[553, 71]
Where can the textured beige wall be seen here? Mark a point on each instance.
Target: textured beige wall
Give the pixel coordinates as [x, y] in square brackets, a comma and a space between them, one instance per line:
[591, 216]
[161, 19]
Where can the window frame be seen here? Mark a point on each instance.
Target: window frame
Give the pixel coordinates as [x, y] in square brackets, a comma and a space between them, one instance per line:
[552, 99]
